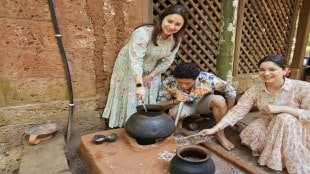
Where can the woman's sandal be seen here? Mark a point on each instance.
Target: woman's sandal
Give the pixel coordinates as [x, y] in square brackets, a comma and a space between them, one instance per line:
[40, 132]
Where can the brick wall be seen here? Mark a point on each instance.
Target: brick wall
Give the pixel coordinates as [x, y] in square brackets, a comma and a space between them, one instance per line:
[33, 85]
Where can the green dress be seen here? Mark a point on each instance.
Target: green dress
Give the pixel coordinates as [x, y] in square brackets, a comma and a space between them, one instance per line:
[138, 57]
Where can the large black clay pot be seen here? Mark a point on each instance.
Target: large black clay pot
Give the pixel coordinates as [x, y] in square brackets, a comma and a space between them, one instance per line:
[151, 125]
[192, 159]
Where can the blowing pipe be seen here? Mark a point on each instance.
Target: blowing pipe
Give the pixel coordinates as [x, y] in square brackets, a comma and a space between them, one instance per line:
[177, 117]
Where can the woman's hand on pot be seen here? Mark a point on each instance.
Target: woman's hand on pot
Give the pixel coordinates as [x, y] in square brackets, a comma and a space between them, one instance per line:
[140, 93]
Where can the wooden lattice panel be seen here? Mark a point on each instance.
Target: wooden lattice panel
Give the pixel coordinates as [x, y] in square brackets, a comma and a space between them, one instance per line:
[200, 44]
[266, 28]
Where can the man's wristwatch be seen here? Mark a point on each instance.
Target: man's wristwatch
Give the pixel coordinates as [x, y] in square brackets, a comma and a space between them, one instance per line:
[139, 85]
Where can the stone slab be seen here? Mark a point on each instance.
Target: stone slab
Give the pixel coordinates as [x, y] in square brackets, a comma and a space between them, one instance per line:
[47, 157]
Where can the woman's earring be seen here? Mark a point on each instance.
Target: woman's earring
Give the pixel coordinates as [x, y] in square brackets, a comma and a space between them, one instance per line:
[287, 72]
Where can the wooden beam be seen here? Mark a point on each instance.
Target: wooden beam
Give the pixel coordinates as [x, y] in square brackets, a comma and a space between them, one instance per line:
[293, 25]
[147, 11]
[239, 26]
[301, 40]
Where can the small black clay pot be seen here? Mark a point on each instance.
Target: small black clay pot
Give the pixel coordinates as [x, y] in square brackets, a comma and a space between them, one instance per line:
[192, 159]
[151, 125]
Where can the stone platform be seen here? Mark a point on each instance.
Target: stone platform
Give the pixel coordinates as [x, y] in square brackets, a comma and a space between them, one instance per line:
[125, 155]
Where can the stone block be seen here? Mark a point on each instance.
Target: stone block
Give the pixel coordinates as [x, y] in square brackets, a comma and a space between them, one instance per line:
[11, 136]
[69, 12]
[10, 160]
[4, 121]
[16, 119]
[78, 36]
[22, 34]
[16, 63]
[37, 10]
[2, 98]
[35, 89]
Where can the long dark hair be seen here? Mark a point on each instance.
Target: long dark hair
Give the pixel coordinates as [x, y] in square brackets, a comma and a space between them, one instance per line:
[277, 59]
[173, 9]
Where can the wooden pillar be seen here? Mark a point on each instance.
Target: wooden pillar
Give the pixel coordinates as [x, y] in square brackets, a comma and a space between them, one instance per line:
[240, 11]
[147, 11]
[224, 61]
[301, 40]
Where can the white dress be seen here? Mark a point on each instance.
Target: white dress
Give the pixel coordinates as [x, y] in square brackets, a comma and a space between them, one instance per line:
[138, 57]
[280, 140]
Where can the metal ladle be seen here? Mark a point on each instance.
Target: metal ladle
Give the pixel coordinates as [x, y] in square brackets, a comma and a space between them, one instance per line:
[144, 106]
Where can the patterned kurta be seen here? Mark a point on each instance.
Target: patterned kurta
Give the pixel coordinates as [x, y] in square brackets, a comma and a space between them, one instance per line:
[281, 140]
[205, 83]
[138, 57]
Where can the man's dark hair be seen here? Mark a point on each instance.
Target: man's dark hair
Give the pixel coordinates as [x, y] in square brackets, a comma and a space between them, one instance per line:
[186, 70]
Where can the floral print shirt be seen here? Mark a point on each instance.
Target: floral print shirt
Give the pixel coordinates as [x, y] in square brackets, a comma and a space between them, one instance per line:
[205, 83]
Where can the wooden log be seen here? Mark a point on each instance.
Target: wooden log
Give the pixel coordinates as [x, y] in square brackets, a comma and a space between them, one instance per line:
[228, 157]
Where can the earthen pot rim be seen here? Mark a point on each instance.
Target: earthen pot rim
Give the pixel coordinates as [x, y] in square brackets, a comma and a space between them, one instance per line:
[196, 148]
[152, 109]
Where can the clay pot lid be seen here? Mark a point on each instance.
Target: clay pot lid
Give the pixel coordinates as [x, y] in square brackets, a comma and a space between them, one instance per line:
[38, 132]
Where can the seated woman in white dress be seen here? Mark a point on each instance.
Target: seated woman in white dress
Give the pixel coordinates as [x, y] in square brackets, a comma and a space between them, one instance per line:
[280, 136]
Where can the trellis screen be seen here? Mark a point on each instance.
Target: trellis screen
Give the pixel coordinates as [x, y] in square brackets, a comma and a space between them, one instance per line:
[267, 27]
[200, 44]
[264, 27]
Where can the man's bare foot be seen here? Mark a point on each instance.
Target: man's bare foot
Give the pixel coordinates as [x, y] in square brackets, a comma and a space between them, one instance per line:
[224, 142]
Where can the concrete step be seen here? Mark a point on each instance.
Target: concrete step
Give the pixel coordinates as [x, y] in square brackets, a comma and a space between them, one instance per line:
[47, 157]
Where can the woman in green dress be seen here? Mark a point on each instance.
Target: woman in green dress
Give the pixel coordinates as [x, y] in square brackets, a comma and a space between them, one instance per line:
[137, 71]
